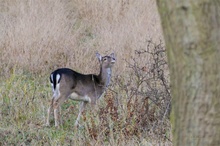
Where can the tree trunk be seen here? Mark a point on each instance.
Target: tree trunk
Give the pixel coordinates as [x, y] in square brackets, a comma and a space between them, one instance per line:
[192, 36]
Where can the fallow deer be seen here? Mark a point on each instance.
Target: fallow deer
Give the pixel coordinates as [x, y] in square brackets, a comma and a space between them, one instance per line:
[69, 84]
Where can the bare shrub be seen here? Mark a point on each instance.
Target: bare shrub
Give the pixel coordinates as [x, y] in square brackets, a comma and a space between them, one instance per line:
[138, 105]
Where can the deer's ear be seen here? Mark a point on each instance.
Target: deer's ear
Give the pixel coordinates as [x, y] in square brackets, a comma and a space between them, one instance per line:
[112, 55]
[98, 56]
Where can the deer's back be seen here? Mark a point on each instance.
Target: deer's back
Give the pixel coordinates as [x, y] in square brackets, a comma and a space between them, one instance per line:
[73, 82]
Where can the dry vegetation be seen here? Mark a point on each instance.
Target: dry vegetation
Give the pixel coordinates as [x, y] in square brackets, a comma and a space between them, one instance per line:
[37, 37]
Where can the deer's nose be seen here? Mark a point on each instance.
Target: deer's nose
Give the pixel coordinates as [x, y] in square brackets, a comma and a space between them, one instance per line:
[113, 60]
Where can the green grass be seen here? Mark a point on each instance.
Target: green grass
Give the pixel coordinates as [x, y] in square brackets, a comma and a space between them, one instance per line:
[24, 100]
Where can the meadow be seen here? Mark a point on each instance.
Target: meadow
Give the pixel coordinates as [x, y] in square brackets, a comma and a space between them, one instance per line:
[37, 37]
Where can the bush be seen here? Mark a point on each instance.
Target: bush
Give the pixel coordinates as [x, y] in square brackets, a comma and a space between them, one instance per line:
[137, 105]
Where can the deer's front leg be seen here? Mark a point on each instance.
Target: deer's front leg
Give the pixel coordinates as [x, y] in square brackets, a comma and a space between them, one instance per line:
[81, 108]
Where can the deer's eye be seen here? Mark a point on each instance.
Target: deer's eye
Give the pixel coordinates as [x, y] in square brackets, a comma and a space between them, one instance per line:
[104, 59]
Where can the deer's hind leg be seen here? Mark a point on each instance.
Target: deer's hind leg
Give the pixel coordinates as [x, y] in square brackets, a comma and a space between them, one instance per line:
[57, 109]
[49, 112]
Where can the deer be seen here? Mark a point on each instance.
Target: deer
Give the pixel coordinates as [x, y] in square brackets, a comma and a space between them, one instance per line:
[85, 88]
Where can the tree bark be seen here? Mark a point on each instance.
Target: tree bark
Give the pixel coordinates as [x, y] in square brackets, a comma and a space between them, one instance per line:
[192, 36]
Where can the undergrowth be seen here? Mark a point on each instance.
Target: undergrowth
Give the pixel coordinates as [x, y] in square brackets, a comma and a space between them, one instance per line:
[137, 106]
[134, 111]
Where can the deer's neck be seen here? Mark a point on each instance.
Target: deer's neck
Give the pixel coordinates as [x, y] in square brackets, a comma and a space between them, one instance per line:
[105, 76]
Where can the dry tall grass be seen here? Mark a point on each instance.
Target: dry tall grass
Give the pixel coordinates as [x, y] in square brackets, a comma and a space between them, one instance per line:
[38, 36]
[42, 35]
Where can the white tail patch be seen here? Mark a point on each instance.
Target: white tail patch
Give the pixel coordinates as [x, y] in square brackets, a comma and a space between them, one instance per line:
[57, 78]
[51, 77]
[56, 92]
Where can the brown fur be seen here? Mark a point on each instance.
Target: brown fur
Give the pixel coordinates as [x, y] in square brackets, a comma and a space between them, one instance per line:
[85, 88]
